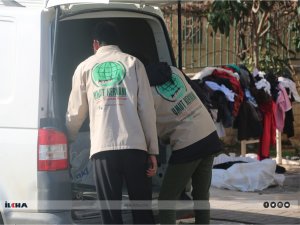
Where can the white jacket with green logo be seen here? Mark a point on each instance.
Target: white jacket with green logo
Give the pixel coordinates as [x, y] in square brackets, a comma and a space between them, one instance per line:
[182, 119]
[113, 88]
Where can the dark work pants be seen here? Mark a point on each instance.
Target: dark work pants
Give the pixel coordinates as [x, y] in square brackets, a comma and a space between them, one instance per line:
[175, 180]
[111, 168]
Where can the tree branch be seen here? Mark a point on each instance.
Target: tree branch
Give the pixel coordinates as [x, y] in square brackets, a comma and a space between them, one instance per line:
[255, 6]
[266, 30]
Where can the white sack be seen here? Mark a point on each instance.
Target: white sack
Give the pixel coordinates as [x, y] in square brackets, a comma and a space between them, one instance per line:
[252, 176]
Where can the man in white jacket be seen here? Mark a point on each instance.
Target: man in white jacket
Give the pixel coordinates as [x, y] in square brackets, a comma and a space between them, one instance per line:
[183, 121]
[113, 89]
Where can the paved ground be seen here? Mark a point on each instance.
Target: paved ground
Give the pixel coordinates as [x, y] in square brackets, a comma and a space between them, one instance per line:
[234, 207]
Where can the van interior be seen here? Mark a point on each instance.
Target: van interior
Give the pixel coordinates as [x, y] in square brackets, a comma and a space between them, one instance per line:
[74, 44]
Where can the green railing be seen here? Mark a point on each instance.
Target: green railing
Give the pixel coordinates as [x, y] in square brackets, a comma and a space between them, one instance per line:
[202, 47]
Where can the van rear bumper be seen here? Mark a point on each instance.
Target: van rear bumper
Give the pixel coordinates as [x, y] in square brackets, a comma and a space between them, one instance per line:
[38, 218]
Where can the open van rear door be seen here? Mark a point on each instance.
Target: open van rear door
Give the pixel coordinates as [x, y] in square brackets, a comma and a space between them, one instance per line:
[51, 3]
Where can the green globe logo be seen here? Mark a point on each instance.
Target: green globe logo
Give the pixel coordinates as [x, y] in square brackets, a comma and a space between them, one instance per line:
[108, 74]
[173, 89]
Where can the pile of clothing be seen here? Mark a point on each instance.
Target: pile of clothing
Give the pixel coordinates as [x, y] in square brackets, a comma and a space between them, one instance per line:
[245, 173]
[255, 103]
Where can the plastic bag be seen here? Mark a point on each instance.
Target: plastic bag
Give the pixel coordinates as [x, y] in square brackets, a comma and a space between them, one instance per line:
[81, 165]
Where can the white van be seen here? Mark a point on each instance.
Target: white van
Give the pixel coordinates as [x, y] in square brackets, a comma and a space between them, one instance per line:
[41, 43]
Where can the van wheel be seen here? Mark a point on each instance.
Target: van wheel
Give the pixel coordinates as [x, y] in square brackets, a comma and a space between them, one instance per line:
[1, 220]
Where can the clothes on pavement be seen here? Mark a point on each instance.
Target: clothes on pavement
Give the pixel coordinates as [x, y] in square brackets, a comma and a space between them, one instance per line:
[245, 173]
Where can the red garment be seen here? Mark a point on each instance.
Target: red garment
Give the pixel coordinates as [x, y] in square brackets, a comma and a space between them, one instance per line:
[236, 88]
[268, 137]
[228, 68]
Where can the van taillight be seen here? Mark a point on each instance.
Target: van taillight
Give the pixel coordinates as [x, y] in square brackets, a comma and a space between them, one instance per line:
[52, 150]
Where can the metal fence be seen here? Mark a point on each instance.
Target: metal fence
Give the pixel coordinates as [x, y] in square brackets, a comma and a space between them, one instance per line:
[202, 47]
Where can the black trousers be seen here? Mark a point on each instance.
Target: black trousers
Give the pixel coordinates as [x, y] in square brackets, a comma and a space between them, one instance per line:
[111, 168]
